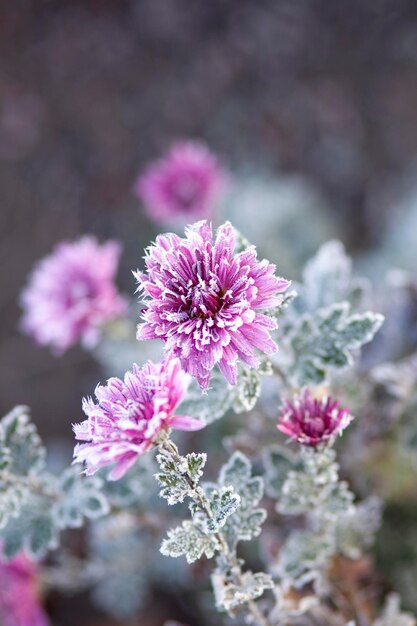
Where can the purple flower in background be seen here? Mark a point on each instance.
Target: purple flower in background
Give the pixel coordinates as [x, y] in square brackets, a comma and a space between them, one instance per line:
[207, 303]
[19, 594]
[312, 421]
[130, 414]
[71, 293]
[183, 186]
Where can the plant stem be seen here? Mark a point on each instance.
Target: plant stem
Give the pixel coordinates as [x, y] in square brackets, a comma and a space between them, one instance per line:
[200, 499]
[281, 374]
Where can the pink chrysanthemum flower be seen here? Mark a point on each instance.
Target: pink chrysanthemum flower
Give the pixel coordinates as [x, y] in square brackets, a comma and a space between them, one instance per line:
[19, 593]
[130, 414]
[183, 186]
[312, 421]
[71, 293]
[207, 302]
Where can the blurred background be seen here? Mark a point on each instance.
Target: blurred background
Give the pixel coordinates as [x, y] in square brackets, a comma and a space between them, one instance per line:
[312, 106]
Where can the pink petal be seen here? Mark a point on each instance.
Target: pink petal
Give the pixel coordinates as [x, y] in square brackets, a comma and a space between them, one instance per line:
[185, 422]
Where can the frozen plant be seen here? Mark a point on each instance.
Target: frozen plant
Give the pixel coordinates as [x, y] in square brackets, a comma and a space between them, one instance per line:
[277, 557]
[209, 301]
[130, 416]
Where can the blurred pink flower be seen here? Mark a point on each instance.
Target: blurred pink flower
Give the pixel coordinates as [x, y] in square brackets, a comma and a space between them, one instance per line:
[71, 293]
[19, 593]
[183, 186]
[130, 414]
[207, 303]
[312, 421]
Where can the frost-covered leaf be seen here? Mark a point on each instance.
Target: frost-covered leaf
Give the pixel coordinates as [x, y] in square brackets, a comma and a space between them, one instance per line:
[247, 390]
[223, 503]
[356, 531]
[33, 530]
[135, 487]
[196, 463]
[21, 449]
[298, 495]
[118, 545]
[11, 500]
[175, 480]
[326, 340]
[190, 541]
[316, 487]
[174, 485]
[278, 461]
[327, 278]
[82, 498]
[230, 595]
[246, 522]
[22, 459]
[209, 406]
[302, 558]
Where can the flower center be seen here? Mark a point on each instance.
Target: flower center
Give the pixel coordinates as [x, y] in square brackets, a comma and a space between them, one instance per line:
[186, 191]
[80, 290]
[316, 426]
[205, 299]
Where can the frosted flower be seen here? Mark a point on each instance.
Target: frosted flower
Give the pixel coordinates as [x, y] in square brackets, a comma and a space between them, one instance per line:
[71, 293]
[207, 302]
[130, 414]
[312, 421]
[183, 186]
[19, 594]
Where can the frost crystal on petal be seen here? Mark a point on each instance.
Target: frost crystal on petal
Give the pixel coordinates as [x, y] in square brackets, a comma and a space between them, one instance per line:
[208, 303]
[312, 421]
[129, 415]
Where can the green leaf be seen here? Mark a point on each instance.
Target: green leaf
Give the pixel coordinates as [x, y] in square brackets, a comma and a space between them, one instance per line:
[245, 523]
[175, 486]
[119, 544]
[277, 461]
[21, 449]
[196, 463]
[303, 558]
[247, 390]
[328, 278]
[190, 541]
[223, 503]
[230, 595]
[326, 339]
[135, 488]
[209, 406]
[82, 498]
[356, 531]
[33, 530]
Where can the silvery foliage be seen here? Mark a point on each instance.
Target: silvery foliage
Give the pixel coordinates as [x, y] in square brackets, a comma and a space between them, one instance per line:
[117, 549]
[222, 514]
[230, 596]
[222, 397]
[334, 523]
[35, 504]
[324, 327]
[135, 488]
[245, 524]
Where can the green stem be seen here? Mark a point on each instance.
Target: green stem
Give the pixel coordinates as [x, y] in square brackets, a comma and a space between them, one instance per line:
[200, 499]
